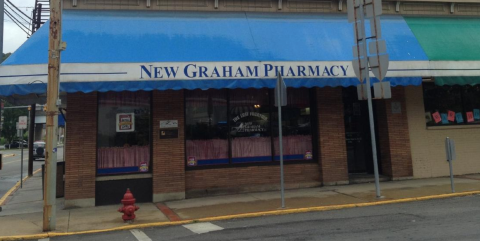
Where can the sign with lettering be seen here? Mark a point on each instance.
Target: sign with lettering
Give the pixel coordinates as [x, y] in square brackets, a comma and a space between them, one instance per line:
[125, 122]
[436, 117]
[248, 122]
[476, 114]
[444, 118]
[459, 117]
[22, 122]
[168, 133]
[168, 124]
[470, 117]
[451, 115]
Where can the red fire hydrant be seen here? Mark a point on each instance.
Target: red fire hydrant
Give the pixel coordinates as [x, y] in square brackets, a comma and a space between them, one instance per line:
[129, 207]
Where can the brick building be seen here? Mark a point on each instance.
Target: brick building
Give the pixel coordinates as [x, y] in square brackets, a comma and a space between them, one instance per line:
[174, 99]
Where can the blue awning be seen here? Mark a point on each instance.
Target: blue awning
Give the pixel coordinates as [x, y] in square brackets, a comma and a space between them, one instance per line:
[146, 50]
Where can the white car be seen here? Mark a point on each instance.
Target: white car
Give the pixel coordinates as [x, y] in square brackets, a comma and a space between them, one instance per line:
[38, 150]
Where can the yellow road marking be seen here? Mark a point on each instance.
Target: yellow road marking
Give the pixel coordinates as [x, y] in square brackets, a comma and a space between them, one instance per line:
[236, 216]
[15, 187]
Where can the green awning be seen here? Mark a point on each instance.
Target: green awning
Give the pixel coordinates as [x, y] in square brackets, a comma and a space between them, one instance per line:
[449, 39]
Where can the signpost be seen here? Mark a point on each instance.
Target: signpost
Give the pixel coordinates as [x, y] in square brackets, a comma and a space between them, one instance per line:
[376, 57]
[451, 155]
[22, 125]
[280, 100]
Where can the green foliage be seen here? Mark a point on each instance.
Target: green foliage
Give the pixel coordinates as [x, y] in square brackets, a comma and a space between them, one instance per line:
[4, 57]
[9, 131]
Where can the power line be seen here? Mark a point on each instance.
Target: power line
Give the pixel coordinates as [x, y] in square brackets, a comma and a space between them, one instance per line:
[18, 23]
[18, 9]
[13, 11]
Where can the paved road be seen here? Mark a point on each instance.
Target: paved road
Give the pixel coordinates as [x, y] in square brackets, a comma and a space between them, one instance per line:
[447, 219]
[10, 174]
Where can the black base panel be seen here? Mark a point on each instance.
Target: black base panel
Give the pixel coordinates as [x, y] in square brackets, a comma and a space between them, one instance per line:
[111, 192]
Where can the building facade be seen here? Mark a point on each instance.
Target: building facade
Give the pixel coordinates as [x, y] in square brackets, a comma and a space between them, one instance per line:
[218, 133]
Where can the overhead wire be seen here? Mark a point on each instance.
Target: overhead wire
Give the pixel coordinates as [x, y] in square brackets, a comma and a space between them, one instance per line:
[19, 9]
[13, 10]
[17, 22]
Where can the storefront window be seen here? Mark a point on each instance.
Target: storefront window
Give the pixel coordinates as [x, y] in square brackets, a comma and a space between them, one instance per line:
[206, 127]
[236, 126]
[250, 125]
[296, 126]
[451, 105]
[123, 139]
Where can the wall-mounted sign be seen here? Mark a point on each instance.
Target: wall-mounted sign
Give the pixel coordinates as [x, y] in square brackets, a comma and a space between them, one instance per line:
[168, 124]
[125, 122]
[168, 133]
[396, 107]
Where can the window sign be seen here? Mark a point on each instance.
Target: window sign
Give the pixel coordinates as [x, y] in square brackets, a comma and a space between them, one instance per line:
[470, 116]
[457, 105]
[436, 117]
[444, 118]
[459, 117]
[125, 122]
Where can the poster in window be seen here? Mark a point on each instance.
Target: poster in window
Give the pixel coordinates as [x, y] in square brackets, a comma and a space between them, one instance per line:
[436, 117]
[143, 167]
[470, 116]
[444, 118]
[250, 122]
[451, 115]
[125, 122]
[428, 117]
[476, 114]
[308, 155]
[191, 161]
[459, 117]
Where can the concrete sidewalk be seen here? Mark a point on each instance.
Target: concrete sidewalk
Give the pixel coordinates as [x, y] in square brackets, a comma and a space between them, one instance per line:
[22, 213]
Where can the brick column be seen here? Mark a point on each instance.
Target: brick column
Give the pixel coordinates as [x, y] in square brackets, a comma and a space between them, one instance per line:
[394, 140]
[168, 154]
[331, 132]
[81, 150]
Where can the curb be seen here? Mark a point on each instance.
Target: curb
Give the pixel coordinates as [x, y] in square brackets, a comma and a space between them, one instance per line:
[14, 188]
[237, 216]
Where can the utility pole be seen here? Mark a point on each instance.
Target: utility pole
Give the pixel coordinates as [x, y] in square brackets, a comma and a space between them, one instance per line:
[2, 2]
[31, 134]
[55, 45]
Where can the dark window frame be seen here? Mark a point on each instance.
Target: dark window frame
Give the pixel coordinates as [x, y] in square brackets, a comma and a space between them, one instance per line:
[272, 162]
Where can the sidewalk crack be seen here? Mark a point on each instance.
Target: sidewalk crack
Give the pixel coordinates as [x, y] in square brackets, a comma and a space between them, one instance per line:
[348, 195]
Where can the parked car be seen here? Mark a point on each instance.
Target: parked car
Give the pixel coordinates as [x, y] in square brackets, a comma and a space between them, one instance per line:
[38, 150]
[16, 144]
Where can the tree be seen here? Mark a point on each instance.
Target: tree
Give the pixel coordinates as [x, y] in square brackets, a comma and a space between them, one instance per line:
[10, 119]
[4, 57]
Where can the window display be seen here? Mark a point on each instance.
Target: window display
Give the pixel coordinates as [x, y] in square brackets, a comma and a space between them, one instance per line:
[123, 139]
[240, 126]
[451, 105]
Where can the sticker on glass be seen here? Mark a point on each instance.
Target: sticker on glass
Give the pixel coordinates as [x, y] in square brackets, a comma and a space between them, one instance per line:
[143, 167]
[308, 155]
[125, 122]
[191, 161]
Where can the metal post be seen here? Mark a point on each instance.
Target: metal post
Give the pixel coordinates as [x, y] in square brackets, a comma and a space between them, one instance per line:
[31, 137]
[21, 158]
[280, 142]
[451, 175]
[55, 45]
[370, 110]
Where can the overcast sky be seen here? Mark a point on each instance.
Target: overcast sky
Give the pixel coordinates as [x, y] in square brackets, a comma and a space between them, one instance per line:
[13, 36]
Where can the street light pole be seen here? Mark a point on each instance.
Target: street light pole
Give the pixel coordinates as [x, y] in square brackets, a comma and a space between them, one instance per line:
[55, 45]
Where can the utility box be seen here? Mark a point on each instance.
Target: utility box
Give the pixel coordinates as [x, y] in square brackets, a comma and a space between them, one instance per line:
[60, 187]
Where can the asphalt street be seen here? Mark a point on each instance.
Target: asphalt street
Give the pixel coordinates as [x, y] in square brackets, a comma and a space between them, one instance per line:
[10, 174]
[441, 219]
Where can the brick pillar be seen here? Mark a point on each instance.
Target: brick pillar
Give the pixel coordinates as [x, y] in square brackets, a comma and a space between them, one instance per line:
[81, 149]
[168, 154]
[331, 132]
[394, 140]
